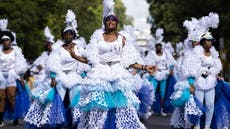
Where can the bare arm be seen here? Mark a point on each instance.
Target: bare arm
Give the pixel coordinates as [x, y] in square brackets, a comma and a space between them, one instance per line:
[149, 68]
[76, 57]
[79, 58]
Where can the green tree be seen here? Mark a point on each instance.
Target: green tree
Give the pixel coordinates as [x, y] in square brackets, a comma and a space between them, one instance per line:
[170, 15]
[28, 19]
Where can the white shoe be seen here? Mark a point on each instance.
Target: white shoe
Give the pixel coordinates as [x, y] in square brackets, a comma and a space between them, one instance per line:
[196, 127]
[207, 128]
[1, 124]
[162, 113]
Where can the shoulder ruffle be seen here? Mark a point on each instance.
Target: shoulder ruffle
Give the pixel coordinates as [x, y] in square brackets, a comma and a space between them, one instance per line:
[130, 55]
[218, 65]
[54, 61]
[21, 65]
[91, 52]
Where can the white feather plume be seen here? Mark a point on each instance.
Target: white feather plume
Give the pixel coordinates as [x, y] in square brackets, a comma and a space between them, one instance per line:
[48, 35]
[168, 47]
[210, 21]
[159, 35]
[14, 42]
[129, 29]
[191, 25]
[179, 47]
[108, 7]
[3, 24]
[197, 27]
[70, 20]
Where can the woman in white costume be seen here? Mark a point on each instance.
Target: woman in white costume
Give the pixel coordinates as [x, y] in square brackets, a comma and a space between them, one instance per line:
[38, 69]
[108, 100]
[199, 71]
[184, 102]
[61, 110]
[12, 67]
[208, 66]
[42, 87]
[165, 63]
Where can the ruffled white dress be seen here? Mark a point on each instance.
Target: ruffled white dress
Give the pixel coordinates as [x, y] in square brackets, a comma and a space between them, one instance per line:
[109, 100]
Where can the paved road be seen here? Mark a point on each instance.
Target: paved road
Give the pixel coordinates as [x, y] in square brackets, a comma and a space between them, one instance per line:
[154, 122]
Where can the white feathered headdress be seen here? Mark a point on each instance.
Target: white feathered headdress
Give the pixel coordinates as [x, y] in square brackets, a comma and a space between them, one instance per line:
[196, 28]
[108, 7]
[71, 22]
[3, 27]
[48, 35]
[3, 24]
[159, 35]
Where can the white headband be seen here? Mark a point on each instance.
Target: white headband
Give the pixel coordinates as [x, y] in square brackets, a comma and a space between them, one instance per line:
[5, 37]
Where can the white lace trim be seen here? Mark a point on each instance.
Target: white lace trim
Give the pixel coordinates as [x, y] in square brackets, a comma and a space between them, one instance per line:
[127, 118]
[94, 119]
[191, 108]
[34, 115]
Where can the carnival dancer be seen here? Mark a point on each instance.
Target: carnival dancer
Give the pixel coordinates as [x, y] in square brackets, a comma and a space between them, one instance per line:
[68, 70]
[208, 66]
[186, 105]
[13, 66]
[42, 87]
[65, 80]
[202, 67]
[108, 100]
[165, 65]
[38, 68]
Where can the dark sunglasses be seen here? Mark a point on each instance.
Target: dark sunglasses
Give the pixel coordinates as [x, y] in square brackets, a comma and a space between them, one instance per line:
[111, 17]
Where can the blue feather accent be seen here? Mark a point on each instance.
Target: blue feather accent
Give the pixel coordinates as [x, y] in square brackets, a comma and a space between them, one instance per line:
[145, 95]
[180, 102]
[221, 114]
[22, 103]
[50, 96]
[171, 81]
[57, 112]
[119, 99]
[75, 99]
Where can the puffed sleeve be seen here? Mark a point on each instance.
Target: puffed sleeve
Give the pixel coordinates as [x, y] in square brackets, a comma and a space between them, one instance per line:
[130, 54]
[91, 52]
[218, 65]
[54, 61]
[21, 65]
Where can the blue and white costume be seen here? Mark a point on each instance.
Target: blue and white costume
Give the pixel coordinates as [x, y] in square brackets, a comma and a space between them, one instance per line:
[109, 100]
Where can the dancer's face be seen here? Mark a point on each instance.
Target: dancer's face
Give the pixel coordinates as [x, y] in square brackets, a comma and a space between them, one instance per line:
[111, 25]
[6, 43]
[207, 44]
[68, 36]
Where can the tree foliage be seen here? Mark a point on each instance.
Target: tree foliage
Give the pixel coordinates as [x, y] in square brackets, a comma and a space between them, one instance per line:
[28, 19]
[170, 15]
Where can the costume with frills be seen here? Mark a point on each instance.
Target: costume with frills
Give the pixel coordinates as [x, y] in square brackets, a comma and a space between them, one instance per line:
[40, 75]
[50, 107]
[109, 100]
[12, 66]
[194, 65]
[164, 63]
